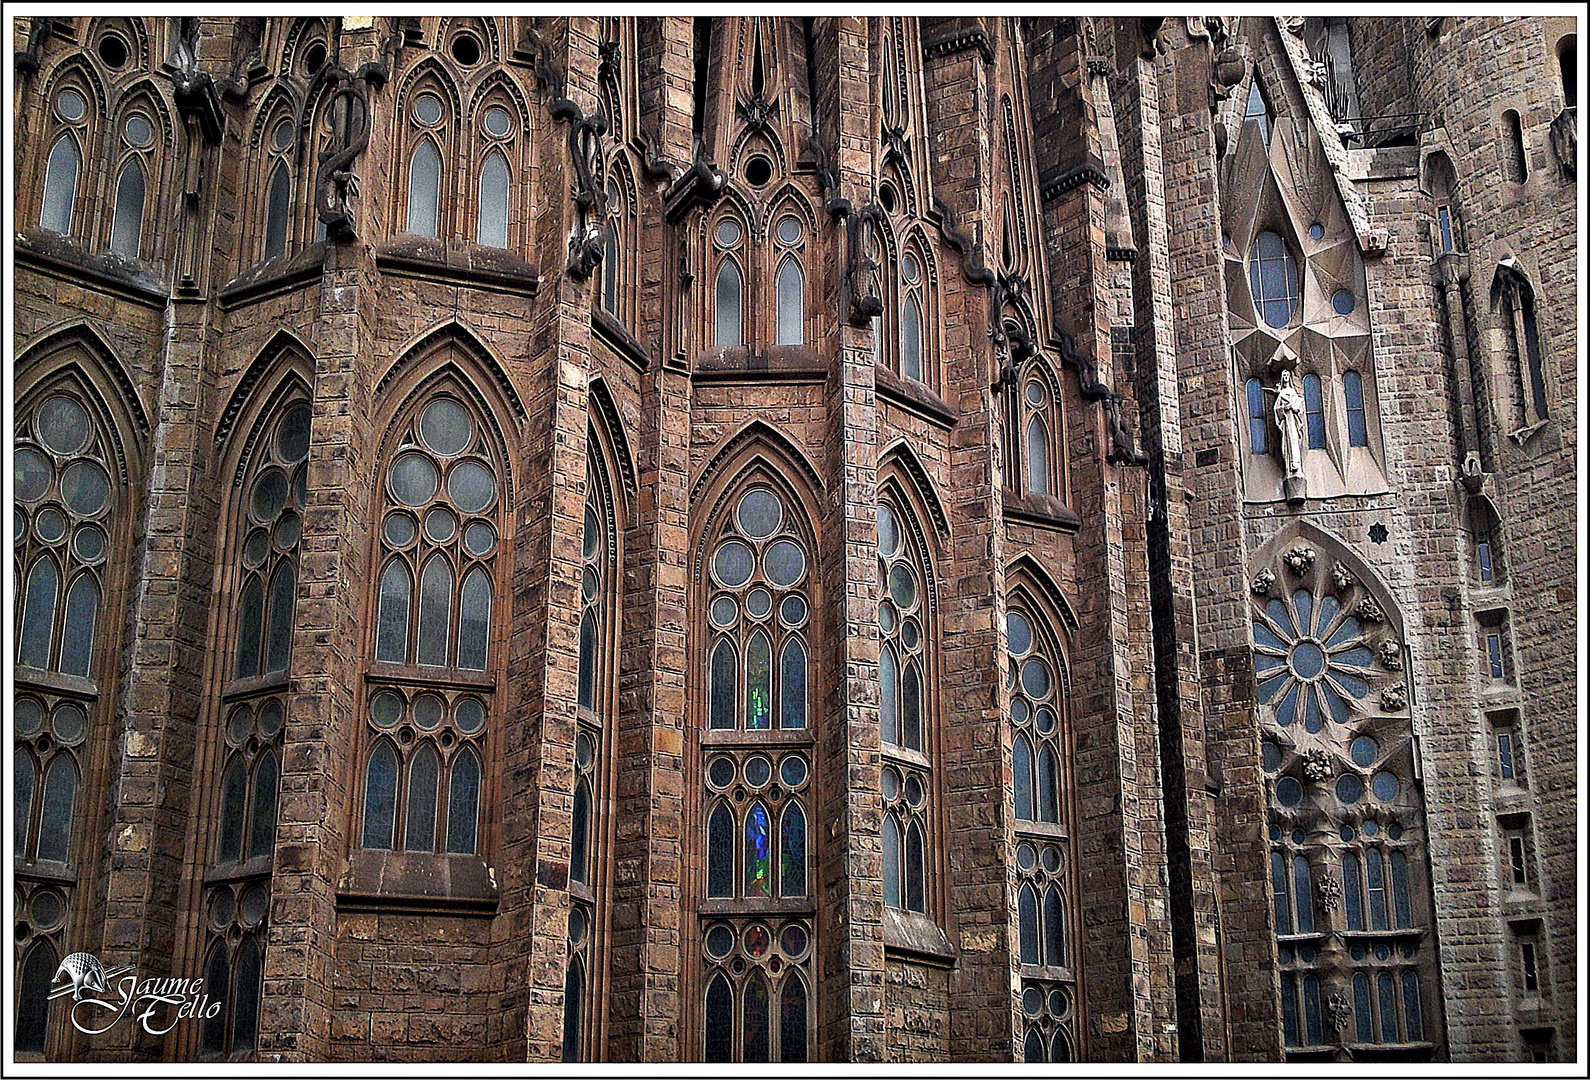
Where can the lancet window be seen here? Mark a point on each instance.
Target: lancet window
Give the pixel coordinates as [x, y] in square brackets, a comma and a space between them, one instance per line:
[905, 707]
[71, 131]
[137, 151]
[757, 909]
[69, 510]
[428, 689]
[1348, 868]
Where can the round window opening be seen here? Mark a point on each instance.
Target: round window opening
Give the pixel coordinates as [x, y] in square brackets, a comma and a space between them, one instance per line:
[466, 49]
[886, 197]
[1308, 660]
[427, 109]
[112, 50]
[314, 58]
[758, 171]
[1342, 302]
[497, 122]
[70, 106]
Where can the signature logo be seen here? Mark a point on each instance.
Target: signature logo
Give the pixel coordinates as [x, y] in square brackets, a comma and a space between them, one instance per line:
[156, 1004]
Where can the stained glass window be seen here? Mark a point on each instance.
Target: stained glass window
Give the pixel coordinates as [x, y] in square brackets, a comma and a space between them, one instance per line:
[425, 189]
[1314, 411]
[492, 225]
[127, 222]
[1353, 395]
[1272, 276]
[60, 186]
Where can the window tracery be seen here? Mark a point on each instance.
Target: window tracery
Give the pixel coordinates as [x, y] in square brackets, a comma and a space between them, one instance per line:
[497, 143]
[1513, 299]
[1348, 866]
[757, 906]
[138, 140]
[70, 131]
[728, 285]
[70, 510]
[429, 692]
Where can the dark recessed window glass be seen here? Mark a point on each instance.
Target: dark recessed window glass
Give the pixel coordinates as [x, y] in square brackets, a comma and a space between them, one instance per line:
[1314, 411]
[1353, 393]
[126, 229]
[380, 797]
[1272, 275]
[463, 801]
[492, 230]
[1256, 429]
[276, 209]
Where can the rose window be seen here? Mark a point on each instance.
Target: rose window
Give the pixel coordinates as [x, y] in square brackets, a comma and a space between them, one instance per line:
[1311, 660]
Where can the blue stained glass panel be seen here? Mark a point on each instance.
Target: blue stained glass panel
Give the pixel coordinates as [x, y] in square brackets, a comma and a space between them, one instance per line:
[792, 853]
[1352, 892]
[1265, 636]
[1312, 719]
[1283, 900]
[1305, 903]
[1388, 1008]
[1325, 614]
[1311, 1010]
[1314, 410]
[720, 852]
[1352, 684]
[1263, 662]
[723, 673]
[1256, 428]
[1410, 1006]
[1357, 656]
[1303, 601]
[792, 685]
[1281, 617]
[758, 852]
[1289, 1009]
[1341, 712]
[1270, 687]
[1348, 630]
[1283, 714]
[1363, 1021]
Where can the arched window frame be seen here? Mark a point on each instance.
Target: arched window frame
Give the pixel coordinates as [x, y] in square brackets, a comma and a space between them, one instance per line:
[737, 255]
[56, 716]
[1513, 304]
[908, 638]
[429, 79]
[483, 144]
[791, 229]
[448, 706]
[151, 161]
[1036, 380]
[83, 134]
[1337, 915]
[620, 260]
[764, 906]
[234, 1030]
[916, 296]
[1048, 938]
[278, 146]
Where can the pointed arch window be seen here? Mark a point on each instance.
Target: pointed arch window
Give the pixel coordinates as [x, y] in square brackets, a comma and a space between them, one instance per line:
[424, 189]
[756, 767]
[1325, 691]
[1513, 297]
[436, 545]
[127, 221]
[791, 291]
[33, 998]
[492, 227]
[1353, 398]
[1033, 412]
[727, 295]
[1258, 111]
[60, 186]
[1272, 276]
[1314, 410]
[278, 205]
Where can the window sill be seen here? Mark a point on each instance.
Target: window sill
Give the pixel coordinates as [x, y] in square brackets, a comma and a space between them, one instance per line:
[423, 675]
[58, 873]
[259, 867]
[742, 907]
[616, 336]
[1048, 973]
[1041, 830]
[60, 256]
[912, 935]
[419, 882]
[39, 679]
[905, 756]
[758, 737]
[274, 277]
[469, 265]
[774, 364]
[915, 398]
[1044, 511]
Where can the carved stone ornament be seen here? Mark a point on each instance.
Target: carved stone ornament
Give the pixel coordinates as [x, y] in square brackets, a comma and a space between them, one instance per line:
[1299, 558]
[590, 200]
[1330, 892]
[1318, 765]
[348, 116]
[1369, 611]
[1263, 581]
[1565, 141]
[1290, 417]
[1294, 23]
[861, 268]
[1394, 698]
[1341, 1010]
[1342, 576]
[1391, 654]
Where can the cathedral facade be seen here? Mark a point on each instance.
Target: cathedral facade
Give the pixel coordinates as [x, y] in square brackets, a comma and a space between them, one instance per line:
[797, 539]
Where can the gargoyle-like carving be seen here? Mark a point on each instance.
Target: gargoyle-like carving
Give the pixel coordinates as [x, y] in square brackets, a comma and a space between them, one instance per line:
[1263, 582]
[837, 206]
[756, 111]
[193, 88]
[27, 61]
[1300, 558]
[1394, 698]
[1391, 654]
[896, 143]
[861, 266]
[1343, 577]
[535, 49]
[590, 200]
[1153, 44]
[1368, 610]
[247, 63]
[348, 116]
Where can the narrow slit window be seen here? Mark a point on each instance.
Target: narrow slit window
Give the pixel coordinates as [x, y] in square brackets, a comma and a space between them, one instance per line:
[492, 228]
[911, 339]
[1504, 754]
[55, 817]
[425, 189]
[1037, 457]
[277, 205]
[262, 815]
[1353, 394]
[60, 186]
[1257, 111]
[436, 612]
[1314, 411]
[38, 615]
[380, 796]
[77, 629]
[791, 289]
[1482, 551]
[463, 803]
[1257, 443]
[392, 621]
[1443, 215]
[727, 306]
[420, 833]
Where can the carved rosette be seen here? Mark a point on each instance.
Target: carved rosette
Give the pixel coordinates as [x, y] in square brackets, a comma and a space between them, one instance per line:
[1263, 582]
[1299, 559]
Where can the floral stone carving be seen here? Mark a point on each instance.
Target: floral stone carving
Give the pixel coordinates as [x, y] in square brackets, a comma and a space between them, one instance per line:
[1330, 892]
[1300, 558]
[1317, 765]
[1263, 581]
[1369, 611]
[1391, 654]
[1342, 577]
[1394, 698]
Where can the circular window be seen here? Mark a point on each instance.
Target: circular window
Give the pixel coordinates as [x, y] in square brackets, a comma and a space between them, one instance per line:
[1035, 678]
[386, 708]
[271, 717]
[910, 634]
[758, 770]
[1316, 231]
[720, 774]
[470, 715]
[497, 122]
[1308, 660]
[593, 533]
[466, 49]
[758, 602]
[282, 137]
[902, 585]
[255, 548]
[887, 198]
[792, 941]
[1036, 396]
[427, 109]
[910, 270]
[138, 132]
[792, 770]
[757, 941]
[1272, 275]
[413, 479]
[1271, 754]
[733, 564]
[584, 750]
[270, 495]
[89, 544]
[891, 785]
[784, 563]
[1288, 792]
[1371, 828]
[589, 580]
[758, 171]
[759, 513]
[314, 57]
[720, 941]
[1349, 789]
[112, 50]
[1019, 710]
[68, 723]
[287, 531]
[445, 427]
[1045, 721]
[292, 438]
[790, 230]
[471, 487]
[427, 711]
[63, 425]
[1342, 302]
[913, 791]
[29, 716]
[728, 233]
[239, 723]
[1384, 786]
[440, 525]
[1026, 857]
[69, 105]
[221, 907]
[1364, 750]
[47, 908]
[886, 617]
[252, 907]
[85, 488]
[1018, 632]
[51, 524]
[792, 610]
[479, 538]
[19, 523]
[1032, 1001]
[724, 611]
[31, 474]
[399, 530]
